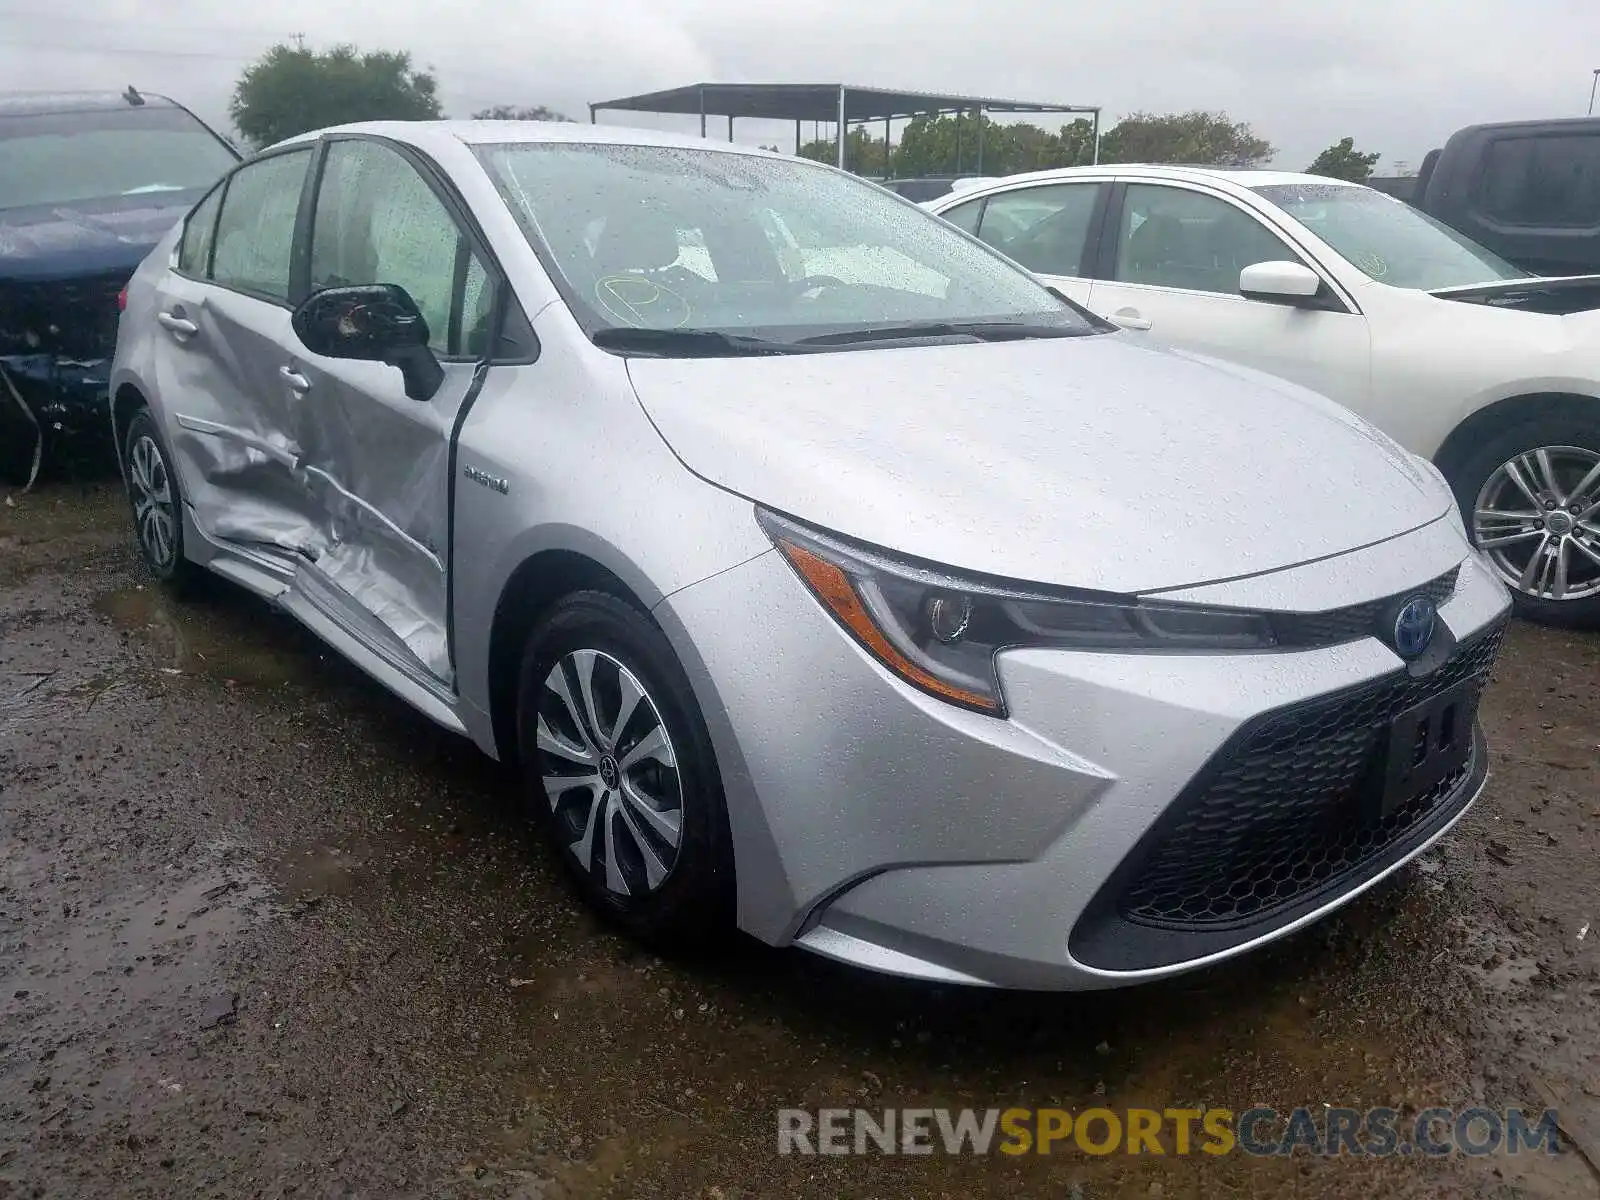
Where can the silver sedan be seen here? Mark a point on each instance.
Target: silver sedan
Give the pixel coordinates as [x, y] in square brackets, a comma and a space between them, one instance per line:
[825, 573]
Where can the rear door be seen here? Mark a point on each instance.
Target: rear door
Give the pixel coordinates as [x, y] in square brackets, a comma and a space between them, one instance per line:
[1169, 270]
[376, 460]
[1046, 227]
[223, 309]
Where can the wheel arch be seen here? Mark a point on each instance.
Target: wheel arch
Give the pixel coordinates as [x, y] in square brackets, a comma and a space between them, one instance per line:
[126, 401]
[536, 583]
[1504, 414]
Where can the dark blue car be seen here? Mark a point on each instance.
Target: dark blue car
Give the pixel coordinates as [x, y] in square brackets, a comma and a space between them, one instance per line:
[89, 182]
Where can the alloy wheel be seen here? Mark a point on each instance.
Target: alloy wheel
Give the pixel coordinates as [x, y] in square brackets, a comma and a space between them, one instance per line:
[154, 511]
[609, 773]
[1537, 519]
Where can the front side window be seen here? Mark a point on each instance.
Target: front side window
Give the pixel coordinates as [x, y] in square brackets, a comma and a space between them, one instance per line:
[199, 233]
[1386, 238]
[1174, 237]
[255, 232]
[1046, 229]
[77, 157]
[378, 221]
[663, 238]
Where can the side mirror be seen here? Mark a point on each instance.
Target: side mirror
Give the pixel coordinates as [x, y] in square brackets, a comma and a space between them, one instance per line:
[372, 322]
[1280, 283]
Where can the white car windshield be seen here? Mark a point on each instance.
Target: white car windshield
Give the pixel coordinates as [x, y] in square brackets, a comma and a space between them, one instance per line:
[1388, 239]
[776, 251]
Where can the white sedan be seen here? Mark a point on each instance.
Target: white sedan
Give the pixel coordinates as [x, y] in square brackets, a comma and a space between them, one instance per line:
[1445, 346]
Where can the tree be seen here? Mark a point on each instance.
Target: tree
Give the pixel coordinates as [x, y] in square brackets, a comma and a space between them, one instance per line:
[1202, 138]
[1343, 161]
[291, 90]
[510, 112]
[863, 153]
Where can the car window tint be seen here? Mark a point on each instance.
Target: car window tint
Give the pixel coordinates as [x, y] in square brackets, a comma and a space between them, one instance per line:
[965, 216]
[1043, 228]
[378, 221]
[199, 232]
[256, 229]
[1548, 182]
[1173, 237]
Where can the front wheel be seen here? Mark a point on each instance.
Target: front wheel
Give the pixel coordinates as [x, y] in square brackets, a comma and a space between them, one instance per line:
[1530, 496]
[620, 773]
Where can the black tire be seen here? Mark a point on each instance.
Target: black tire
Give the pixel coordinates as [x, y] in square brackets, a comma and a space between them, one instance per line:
[691, 906]
[145, 451]
[1575, 427]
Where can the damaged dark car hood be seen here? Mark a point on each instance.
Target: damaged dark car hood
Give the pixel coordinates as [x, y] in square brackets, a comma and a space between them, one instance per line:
[61, 241]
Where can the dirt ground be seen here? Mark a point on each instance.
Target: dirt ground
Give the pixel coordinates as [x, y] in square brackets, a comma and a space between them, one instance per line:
[265, 932]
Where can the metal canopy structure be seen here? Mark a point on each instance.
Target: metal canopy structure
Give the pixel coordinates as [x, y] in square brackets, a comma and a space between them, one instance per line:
[839, 104]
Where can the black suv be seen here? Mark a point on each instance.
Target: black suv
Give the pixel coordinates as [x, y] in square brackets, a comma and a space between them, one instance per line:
[1528, 190]
[89, 182]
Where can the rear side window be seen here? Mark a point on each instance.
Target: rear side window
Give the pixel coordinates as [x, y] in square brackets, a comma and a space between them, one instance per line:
[1548, 182]
[1043, 228]
[965, 216]
[256, 230]
[199, 232]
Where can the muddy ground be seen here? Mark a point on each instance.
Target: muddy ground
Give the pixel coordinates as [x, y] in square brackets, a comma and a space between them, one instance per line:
[265, 932]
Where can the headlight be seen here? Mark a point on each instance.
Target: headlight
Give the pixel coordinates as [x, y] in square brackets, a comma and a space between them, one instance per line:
[940, 631]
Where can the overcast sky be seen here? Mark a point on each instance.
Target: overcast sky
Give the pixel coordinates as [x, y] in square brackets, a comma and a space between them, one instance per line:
[1398, 75]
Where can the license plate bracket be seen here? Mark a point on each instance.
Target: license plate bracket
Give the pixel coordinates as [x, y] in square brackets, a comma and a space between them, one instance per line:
[1426, 744]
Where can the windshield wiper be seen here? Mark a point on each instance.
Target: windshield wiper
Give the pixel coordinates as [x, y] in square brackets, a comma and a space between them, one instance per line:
[987, 331]
[687, 343]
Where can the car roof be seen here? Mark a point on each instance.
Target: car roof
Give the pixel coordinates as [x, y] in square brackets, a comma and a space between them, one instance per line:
[1237, 177]
[433, 135]
[34, 104]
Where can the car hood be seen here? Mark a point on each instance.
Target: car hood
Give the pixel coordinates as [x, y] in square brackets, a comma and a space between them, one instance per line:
[1088, 462]
[65, 241]
[1560, 295]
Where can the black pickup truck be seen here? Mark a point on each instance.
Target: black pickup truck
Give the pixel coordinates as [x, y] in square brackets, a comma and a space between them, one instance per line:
[89, 182]
[1528, 190]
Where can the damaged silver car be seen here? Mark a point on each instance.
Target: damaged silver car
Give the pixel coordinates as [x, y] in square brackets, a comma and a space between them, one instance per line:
[821, 570]
[89, 182]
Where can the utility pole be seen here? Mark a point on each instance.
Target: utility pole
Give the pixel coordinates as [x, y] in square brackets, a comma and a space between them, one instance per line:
[1592, 86]
[299, 40]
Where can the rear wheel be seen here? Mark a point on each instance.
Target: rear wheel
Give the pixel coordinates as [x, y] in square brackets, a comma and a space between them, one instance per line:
[1530, 495]
[157, 503]
[619, 771]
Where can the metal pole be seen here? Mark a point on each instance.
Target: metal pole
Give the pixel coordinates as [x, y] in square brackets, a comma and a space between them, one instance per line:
[1097, 137]
[591, 114]
[730, 127]
[1592, 86]
[980, 139]
[702, 112]
[797, 137]
[841, 126]
[888, 172]
[958, 141]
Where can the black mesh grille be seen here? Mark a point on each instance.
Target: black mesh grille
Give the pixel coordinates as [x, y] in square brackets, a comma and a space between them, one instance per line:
[1289, 808]
[1355, 621]
[72, 318]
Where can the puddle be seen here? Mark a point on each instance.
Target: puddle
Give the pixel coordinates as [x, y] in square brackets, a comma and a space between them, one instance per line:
[227, 636]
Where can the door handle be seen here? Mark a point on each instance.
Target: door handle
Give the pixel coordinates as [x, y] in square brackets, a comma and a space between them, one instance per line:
[296, 381]
[176, 322]
[1129, 318]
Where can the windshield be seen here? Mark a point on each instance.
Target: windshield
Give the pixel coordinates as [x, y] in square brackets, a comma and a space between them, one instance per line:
[668, 239]
[67, 158]
[1387, 238]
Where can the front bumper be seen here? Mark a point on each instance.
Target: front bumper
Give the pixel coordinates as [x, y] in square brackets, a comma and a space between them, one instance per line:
[877, 825]
[53, 412]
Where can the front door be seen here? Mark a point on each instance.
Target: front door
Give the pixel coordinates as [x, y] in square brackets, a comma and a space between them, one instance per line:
[1174, 278]
[378, 461]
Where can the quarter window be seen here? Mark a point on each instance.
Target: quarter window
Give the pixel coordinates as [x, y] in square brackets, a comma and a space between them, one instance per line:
[1173, 237]
[1044, 228]
[965, 216]
[256, 230]
[199, 234]
[378, 221]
